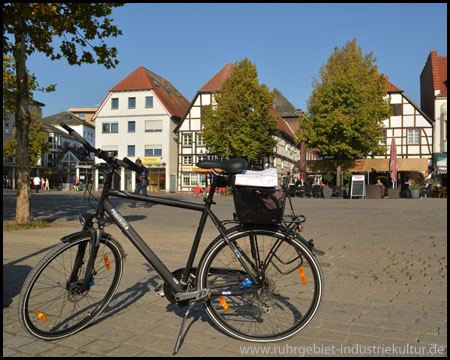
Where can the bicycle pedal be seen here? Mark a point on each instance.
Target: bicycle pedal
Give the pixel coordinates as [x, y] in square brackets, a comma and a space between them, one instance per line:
[160, 291]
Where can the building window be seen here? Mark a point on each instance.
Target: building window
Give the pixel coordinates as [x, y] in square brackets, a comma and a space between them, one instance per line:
[153, 150]
[82, 116]
[190, 180]
[153, 125]
[414, 137]
[201, 158]
[187, 140]
[187, 160]
[112, 127]
[131, 151]
[149, 101]
[397, 109]
[200, 141]
[114, 103]
[131, 103]
[113, 149]
[131, 126]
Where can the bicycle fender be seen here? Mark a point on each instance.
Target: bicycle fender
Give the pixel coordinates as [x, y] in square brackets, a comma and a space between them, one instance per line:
[80, 234]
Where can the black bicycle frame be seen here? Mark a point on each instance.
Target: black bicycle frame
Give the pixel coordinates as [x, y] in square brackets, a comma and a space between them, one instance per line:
[106, 206]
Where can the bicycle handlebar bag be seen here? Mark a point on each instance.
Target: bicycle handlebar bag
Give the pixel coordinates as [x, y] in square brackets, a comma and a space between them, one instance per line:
[259, 205]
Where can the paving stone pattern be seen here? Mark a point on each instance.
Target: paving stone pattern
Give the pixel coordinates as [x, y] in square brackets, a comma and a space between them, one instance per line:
[385, 271]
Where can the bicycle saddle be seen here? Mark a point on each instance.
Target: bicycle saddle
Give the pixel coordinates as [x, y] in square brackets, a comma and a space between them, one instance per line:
[232, 166]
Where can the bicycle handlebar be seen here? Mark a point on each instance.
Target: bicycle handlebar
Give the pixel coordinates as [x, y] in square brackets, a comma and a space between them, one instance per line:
[125, 163]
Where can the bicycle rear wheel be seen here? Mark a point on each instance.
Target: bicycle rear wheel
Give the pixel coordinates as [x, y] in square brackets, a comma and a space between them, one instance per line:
[51, 305]
[285, 300]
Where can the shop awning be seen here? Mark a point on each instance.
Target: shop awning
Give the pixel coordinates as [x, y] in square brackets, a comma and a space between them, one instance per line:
[369, 165]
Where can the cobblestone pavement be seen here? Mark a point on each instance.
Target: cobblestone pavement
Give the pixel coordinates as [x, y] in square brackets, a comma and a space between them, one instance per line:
[385, 271]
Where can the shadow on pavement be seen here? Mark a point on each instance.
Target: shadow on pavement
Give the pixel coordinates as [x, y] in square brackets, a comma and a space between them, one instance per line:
[50, 206]
[14, 276]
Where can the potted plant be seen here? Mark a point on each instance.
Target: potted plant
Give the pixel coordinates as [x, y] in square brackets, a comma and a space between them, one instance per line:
[327, 191]
[414, 191]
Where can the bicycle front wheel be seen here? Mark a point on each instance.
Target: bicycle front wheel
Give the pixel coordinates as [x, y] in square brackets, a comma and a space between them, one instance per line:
[283, 299]
[51, 304]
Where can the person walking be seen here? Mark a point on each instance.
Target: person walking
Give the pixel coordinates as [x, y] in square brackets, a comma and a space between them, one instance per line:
[77, 182]
[73, 182]
[42, 183]
[37, 183]
[141, 181]
[47, 184]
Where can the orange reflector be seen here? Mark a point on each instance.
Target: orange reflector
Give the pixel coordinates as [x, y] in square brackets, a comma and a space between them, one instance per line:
[301, 272]
[107, 263]
[41, 316]
[224, 303]
[301, 228]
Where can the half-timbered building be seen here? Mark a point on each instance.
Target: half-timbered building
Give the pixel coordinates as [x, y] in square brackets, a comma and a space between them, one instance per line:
[192, 148]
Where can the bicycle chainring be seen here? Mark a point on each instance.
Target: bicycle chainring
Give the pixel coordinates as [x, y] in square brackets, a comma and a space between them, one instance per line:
[169, 293]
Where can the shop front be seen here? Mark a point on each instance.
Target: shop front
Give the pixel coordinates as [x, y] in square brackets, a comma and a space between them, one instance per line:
[156, 172]
[411, 168]
[440, 169]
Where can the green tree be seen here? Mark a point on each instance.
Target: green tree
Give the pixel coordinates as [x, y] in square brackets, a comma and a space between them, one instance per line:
[240, 125]
[10, 86]
[347, 106]
[32, 27]
[37, 140]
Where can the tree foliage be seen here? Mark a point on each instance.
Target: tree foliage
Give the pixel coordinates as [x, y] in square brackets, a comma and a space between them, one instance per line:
[38, 27]
[76, 25]
[240, 125]
[37, 140]
[10, 86]
[347, 106]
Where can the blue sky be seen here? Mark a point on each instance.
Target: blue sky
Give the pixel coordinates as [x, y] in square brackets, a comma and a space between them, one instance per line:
[188, 43]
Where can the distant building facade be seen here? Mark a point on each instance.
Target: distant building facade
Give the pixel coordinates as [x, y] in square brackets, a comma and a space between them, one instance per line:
[9, 163]
[85, 114]
[136, 120]
[192, 148]
[433, 101]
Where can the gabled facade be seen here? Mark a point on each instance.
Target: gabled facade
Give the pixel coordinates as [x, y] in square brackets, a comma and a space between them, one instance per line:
[411, 127]
[136, 120]
[192, 148]
[413, 133]
[433, 101]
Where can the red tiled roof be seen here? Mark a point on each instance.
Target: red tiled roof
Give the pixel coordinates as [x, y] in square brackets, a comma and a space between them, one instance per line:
[393, 88]
[143, 79]
[442, 64]
[215, 83]
[439, 71]
[283, 126]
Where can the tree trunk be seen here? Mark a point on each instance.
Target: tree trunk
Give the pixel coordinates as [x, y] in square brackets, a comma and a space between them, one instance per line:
[338, 175]
[23, 119]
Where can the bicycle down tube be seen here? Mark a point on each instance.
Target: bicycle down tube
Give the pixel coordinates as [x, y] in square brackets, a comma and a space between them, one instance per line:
[147, 252]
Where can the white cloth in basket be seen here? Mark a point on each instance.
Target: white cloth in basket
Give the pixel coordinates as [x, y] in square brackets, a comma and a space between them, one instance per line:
[265, 178]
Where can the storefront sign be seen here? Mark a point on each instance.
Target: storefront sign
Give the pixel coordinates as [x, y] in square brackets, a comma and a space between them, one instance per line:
[153, 160]
[358, 188]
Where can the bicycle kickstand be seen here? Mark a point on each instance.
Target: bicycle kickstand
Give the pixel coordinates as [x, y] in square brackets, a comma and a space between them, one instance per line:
[178, 343]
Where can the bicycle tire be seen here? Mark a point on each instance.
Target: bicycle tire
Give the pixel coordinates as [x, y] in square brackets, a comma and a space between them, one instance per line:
[49, 308]
[261, 317]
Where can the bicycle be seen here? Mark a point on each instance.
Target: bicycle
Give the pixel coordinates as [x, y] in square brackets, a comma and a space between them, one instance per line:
[258, 283]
